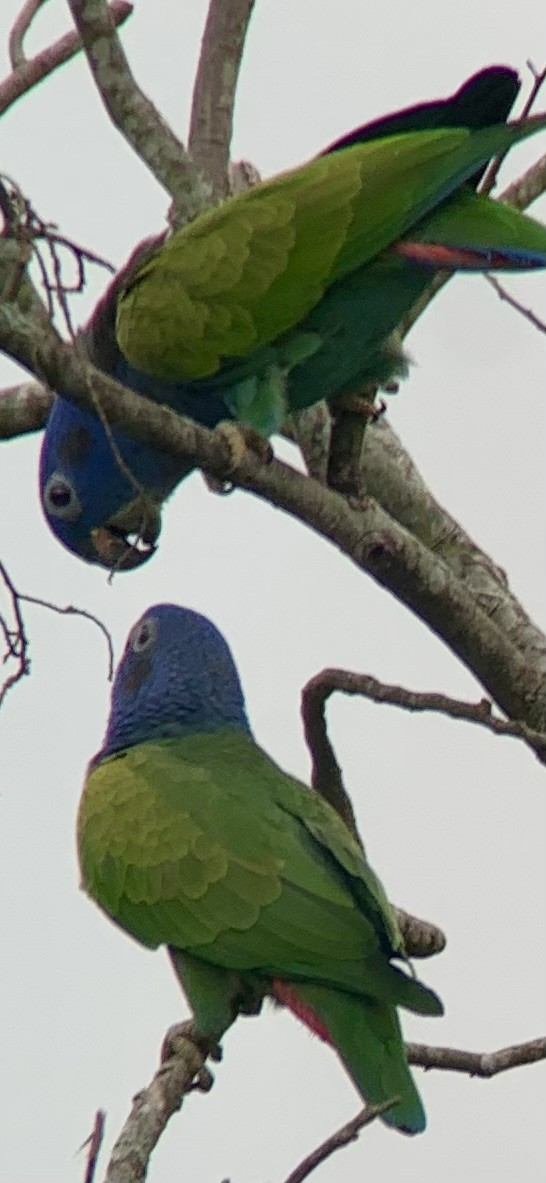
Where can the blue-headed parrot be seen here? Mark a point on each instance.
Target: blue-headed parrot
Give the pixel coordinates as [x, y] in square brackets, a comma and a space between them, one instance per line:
[190, 836]
[284, 295]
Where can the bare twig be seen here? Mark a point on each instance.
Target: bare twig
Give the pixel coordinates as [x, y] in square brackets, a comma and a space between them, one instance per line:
[343, 1137]
[133, 113]
[483, 1064]
[511, 300]
[16, 640]
[320, 687]
[31, 233]
[71, 610]
[94, 1142]
[152, 1108]
[211, 121]
[27, 74]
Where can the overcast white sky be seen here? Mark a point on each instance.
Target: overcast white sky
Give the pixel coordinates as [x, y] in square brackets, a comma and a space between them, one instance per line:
[453, 818]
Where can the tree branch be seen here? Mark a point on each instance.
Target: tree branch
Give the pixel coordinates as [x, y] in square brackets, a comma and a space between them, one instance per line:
[421, 938]
[393, 479]
[342, 1137]
[528, 313]
[181, 1072]
[528, 187]
[366, 534]
[211, 121]
[319, 689]
[23, 408]
[134, 114]
[27, 73]
[19, 31]
[483, 1064]
[16, 640]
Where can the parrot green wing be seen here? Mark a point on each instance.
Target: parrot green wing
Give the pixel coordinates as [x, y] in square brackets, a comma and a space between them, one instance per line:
[203, 844]
[241, 275]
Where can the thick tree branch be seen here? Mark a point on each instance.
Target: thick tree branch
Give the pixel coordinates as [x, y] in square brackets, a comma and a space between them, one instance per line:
[483, 1064]
[182, 1071]
[133, 113]
[393, 479]
[319, 689]
[23, 408]
[342, 1137]
[28, 72]
[365, 533]
[211, 122]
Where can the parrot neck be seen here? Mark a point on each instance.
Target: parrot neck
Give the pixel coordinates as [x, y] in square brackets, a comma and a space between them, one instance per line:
[130, 725]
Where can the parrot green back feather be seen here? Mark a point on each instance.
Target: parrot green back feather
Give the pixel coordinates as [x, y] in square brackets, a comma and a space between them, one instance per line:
[244, 274]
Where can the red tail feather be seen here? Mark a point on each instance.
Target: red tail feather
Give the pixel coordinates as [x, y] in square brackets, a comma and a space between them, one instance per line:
[451, 258]
[286, 993]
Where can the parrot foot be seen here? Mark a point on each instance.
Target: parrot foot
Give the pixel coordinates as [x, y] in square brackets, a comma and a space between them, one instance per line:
[365, 408]
[176, 1043]
[239, 438]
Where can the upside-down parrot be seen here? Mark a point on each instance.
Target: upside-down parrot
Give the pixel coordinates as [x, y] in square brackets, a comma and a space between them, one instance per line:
[284, 295]
[190, 836]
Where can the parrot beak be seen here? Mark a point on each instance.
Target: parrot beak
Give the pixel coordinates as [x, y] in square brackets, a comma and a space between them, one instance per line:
[129, 538]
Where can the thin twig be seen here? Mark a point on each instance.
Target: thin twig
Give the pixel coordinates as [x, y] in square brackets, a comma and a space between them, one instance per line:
[484, 1064]
[319, 689]
[343, 1137]
[17, 643]
[211, 121]
[132, 112]
[71, 610]
[511, 300]
[27, 74]
[16, 639]
[94, 1142]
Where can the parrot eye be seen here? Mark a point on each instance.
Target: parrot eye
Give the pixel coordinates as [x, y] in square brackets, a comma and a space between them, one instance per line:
[144, 635]
[61, 499]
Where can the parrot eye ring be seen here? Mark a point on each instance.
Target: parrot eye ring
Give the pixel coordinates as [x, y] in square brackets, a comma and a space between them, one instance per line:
[144, 634]
[61, 499]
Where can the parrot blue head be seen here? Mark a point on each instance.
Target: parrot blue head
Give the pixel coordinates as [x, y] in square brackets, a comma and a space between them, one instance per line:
[176, 676]
[89, 501]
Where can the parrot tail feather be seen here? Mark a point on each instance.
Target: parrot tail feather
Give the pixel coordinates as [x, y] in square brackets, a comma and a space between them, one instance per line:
[452, 258]
[366, 1035]
[287, 994]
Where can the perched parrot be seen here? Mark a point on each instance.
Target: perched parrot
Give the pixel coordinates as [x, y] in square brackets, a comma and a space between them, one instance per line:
[283, 295]
[190, 836]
